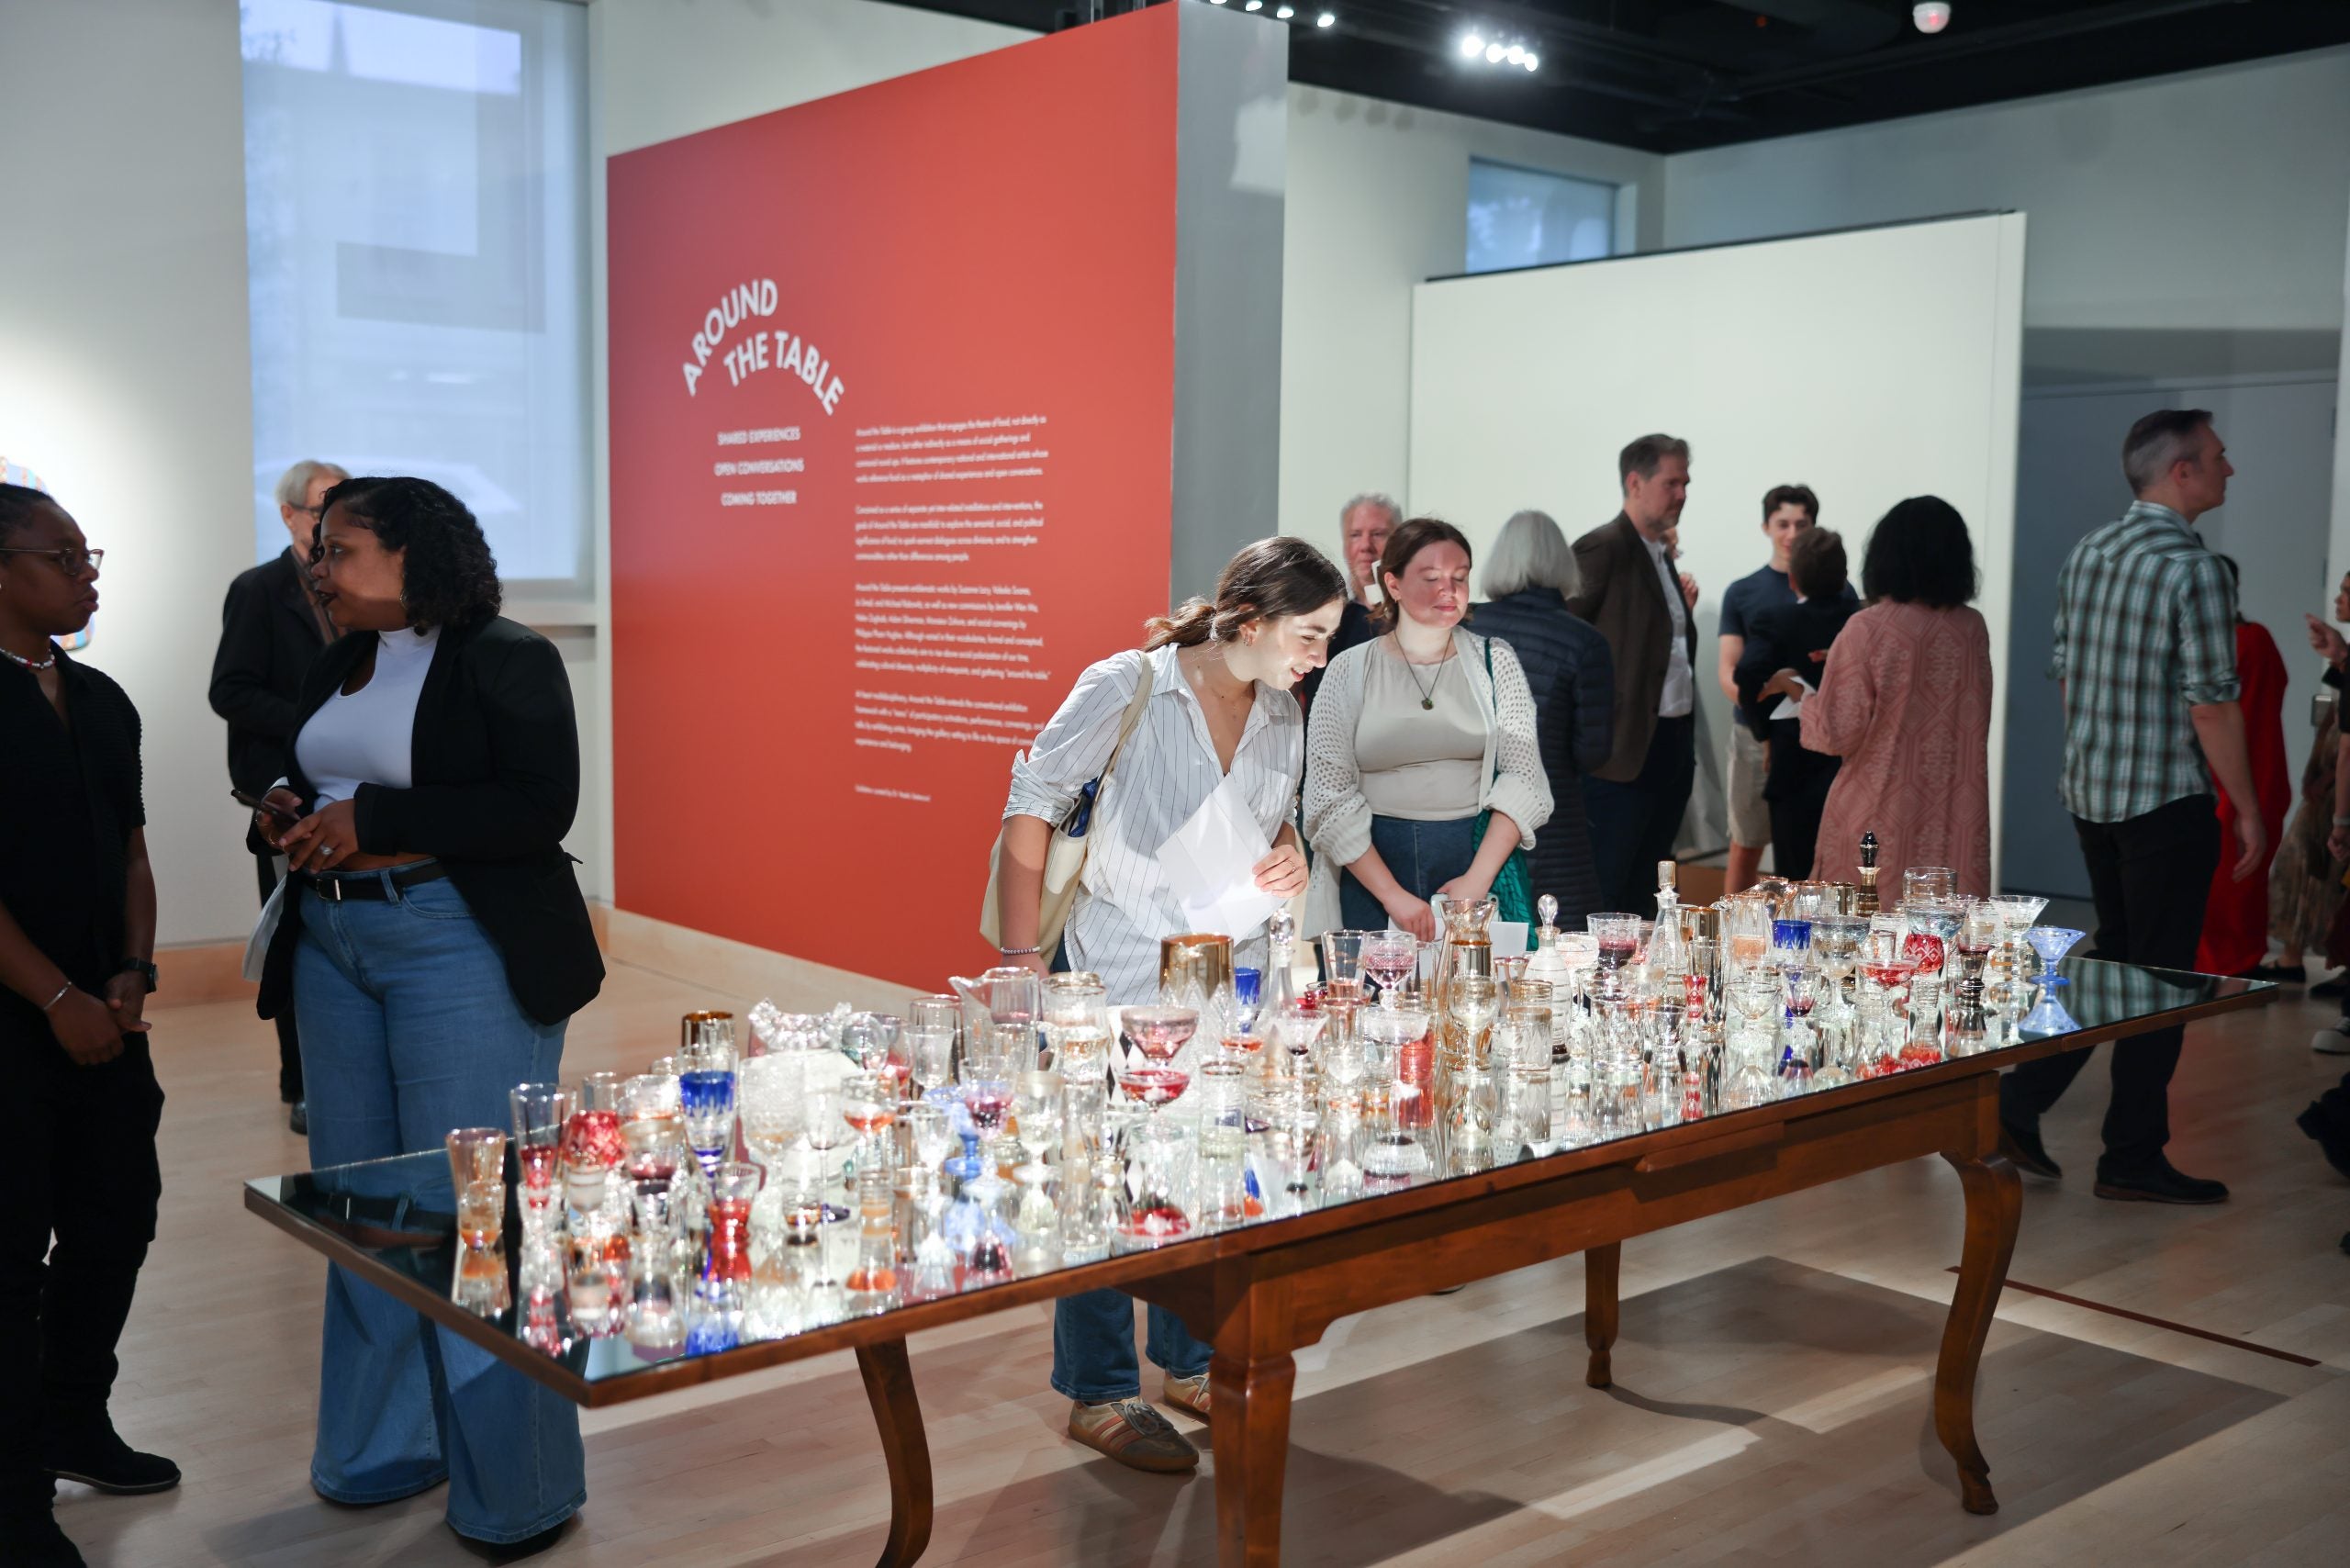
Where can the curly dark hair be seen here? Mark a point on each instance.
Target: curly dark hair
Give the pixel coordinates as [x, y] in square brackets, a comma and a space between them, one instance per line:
[449, 578]
[1920, 553]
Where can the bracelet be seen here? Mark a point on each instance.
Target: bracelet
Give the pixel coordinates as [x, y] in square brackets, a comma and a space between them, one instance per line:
[58, 998]
[2341, 822]
[1018, 952]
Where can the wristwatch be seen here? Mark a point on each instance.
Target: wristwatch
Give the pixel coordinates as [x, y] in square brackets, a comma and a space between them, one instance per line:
[142, 969]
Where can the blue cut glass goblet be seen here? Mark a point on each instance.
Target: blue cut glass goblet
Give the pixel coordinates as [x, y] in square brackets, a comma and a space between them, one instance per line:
[2050, 1017]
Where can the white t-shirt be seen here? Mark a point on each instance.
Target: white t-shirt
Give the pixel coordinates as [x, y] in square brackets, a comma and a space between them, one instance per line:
[365, 738]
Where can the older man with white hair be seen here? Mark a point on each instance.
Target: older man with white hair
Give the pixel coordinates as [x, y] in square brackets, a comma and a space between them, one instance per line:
[1364, 523]
[271, 631]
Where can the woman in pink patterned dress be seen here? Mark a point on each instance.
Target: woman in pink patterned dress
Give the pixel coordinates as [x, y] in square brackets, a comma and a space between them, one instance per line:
[1906, 701]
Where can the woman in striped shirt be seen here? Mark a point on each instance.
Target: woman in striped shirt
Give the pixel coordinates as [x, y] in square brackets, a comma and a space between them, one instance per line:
[1219, 708]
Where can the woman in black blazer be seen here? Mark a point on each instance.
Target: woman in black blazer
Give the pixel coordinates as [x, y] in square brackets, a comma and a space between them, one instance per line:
[434, 943]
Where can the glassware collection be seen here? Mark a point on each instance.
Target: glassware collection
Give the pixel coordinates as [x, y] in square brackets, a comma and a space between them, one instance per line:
[842, 1165]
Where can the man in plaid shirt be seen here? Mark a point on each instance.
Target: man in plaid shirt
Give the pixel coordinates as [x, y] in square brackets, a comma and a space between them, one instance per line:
[2146, 647]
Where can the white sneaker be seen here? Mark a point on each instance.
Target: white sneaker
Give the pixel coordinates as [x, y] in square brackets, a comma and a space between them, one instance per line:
[2334, 1042]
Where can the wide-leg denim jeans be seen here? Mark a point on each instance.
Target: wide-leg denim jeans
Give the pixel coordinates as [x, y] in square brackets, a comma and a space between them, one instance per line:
[408, 1028]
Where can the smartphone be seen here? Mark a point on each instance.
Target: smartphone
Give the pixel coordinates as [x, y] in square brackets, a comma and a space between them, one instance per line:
[285, 815]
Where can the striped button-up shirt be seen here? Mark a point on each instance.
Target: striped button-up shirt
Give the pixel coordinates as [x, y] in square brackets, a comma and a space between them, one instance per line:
[1124, 906]
[2145, 628]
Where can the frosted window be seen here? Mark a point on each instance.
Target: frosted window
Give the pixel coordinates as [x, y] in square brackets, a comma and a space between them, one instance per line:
[1522, 218]
[416, 211]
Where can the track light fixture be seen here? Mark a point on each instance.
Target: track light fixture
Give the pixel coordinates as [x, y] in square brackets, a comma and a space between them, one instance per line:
[1483, 43]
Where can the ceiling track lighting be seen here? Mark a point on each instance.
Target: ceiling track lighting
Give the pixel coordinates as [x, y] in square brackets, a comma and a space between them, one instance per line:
[1283, 12]
[1483, 45]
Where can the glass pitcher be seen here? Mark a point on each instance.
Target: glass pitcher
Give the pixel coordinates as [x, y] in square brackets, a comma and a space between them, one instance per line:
[1467, 942]
[1007, 995]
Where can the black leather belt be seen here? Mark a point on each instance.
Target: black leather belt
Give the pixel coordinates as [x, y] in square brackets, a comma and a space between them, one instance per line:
[336, 887]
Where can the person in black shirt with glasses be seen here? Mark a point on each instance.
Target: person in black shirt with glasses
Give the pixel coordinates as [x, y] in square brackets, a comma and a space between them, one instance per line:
[78, 940]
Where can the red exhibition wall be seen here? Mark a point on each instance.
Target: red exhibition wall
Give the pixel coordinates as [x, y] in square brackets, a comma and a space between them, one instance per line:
[892, 400]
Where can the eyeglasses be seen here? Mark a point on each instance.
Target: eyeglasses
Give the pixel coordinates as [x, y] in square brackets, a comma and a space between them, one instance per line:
[70, 561]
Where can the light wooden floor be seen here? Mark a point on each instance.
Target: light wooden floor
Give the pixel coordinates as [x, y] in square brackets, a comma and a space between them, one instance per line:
[1772, 1404]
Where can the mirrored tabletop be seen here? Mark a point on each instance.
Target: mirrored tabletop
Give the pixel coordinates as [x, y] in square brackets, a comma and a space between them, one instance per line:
[593, 1293]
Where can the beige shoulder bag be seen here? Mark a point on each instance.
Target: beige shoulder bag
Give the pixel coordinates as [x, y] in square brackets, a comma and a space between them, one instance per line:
[1065, 858]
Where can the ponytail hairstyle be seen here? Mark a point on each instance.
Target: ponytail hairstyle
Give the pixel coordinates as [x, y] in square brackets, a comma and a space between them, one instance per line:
[1271, 578]
[1401, 545]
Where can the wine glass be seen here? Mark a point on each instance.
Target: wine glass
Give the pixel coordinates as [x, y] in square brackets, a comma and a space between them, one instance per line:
[1247, 991]
[1160, 1032]
[930, 1054]
[591, 1140]
[983, 1084]
[1158, 1035]
[823, 1128]
[1387, 957]
[875, 1041]
[1077, 1023]
[477, 1173]
[652, 1125]
[1392, 1154]
[540, 1112]
[869, 1105]
[2050, 1017]
[1887, 965]
[707, 1088]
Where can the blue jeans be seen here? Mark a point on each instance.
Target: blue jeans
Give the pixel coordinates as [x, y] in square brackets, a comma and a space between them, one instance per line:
[1421, 855]
[1633, 825]
[1093, 1346]
[408, 1029]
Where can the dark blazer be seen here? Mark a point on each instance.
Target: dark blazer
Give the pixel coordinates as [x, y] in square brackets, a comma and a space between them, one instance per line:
[495, 762]
[1795, 637]
[1623, 597]
[269, 639]
[1572, 677]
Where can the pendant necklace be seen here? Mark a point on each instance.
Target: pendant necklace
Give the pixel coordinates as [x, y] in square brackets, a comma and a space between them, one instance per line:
[1428, 692]
[48, 663]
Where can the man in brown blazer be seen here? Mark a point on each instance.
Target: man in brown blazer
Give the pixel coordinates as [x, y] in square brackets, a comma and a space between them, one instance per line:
[1632, 593]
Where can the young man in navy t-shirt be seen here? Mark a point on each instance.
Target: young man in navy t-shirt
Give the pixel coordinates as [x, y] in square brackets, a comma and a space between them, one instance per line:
[1787, 510]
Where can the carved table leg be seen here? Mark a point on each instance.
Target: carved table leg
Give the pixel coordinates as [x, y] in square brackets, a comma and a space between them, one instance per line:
[1600, 1266]
[1994, 1203]
[1248, 1419]
[890, 1387]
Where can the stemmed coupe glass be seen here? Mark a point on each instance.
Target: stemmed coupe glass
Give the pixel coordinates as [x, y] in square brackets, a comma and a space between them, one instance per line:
[1387, 957]
[1150, 1076]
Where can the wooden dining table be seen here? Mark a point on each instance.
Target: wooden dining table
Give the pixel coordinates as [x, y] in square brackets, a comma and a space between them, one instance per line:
[1258, 1292]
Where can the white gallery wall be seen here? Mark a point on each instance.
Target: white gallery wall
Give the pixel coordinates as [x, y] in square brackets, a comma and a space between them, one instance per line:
[2186, 226]
[1525, 385]
[1378, 203]
[125, 379]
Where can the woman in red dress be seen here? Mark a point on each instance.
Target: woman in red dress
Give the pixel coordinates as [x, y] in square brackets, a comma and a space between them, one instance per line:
[2235, 916]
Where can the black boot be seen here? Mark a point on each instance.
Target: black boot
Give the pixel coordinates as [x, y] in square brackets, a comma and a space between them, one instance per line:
[2156, 1181]
[88, 1450]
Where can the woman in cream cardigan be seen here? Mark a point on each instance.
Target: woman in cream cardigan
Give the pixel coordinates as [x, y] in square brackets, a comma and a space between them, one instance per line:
[1413, 734]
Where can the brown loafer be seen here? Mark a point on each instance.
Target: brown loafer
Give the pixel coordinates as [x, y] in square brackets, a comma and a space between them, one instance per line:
[1189, 1395]
[1133, 1434]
